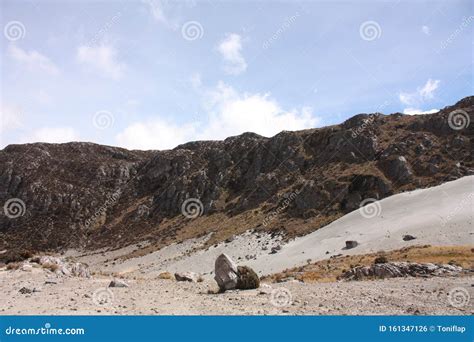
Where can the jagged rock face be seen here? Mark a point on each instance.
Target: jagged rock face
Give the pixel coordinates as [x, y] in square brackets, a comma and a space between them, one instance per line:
[87, 195]
[400, 269]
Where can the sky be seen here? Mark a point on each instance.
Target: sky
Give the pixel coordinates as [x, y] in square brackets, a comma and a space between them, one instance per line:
[153, 74]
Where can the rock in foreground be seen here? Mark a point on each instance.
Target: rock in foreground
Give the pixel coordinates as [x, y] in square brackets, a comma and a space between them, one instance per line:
[248, 279]
[229, 277]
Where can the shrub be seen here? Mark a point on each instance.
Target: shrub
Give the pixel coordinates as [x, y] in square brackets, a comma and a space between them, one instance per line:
[248, 279]
[50, 266]
[13, 265]
[15, 255]
[166, 275]
[381, 259]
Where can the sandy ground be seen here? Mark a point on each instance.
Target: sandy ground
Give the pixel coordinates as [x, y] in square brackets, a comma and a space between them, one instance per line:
[440, 216]
[82, 296]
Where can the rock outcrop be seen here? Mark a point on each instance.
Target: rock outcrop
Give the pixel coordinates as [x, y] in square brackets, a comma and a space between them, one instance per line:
[83, 195]
[400, 269]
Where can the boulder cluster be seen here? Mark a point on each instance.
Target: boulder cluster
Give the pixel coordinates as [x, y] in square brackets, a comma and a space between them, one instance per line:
[383, 270]
[229, 276]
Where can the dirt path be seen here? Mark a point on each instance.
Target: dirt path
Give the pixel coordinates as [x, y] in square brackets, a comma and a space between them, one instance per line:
[79, 296]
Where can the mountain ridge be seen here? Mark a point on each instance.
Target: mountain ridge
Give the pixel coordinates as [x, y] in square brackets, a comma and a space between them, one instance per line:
[241, 181]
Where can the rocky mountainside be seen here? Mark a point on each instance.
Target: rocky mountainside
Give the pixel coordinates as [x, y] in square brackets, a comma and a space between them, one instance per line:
[83, 195]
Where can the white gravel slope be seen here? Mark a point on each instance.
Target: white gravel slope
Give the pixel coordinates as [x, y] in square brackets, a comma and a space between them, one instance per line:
[442, 215]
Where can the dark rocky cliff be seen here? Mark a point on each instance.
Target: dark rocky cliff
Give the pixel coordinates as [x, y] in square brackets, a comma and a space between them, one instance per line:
[87, 195]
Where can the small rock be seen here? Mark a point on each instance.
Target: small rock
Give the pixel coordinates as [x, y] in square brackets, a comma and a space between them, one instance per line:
[187, 276]
[275, 249]
[27, 268]
[351, 244]
[118, 283]
[265, 289]
[408, 237]
[25, 290]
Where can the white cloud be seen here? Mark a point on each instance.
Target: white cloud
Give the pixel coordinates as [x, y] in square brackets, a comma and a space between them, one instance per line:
[228, 113]
[421, 95]
[231, 50]
[426, 30]
[33, 60]
[155, 134]
[53, 135]
[156, 10]
[427, 92]
[10, 117]
[232, 113]
[102, 58]
[414, 111]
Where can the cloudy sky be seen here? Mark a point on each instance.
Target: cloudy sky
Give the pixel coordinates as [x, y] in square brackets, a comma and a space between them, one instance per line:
[153, 74]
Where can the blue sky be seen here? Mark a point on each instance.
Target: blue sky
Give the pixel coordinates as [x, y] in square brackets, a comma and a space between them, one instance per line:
[153, 74]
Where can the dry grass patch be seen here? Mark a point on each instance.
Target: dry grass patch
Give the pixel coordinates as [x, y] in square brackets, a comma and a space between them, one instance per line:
[166, 275]
[50, 266]
[330, 269]
[14, 266]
